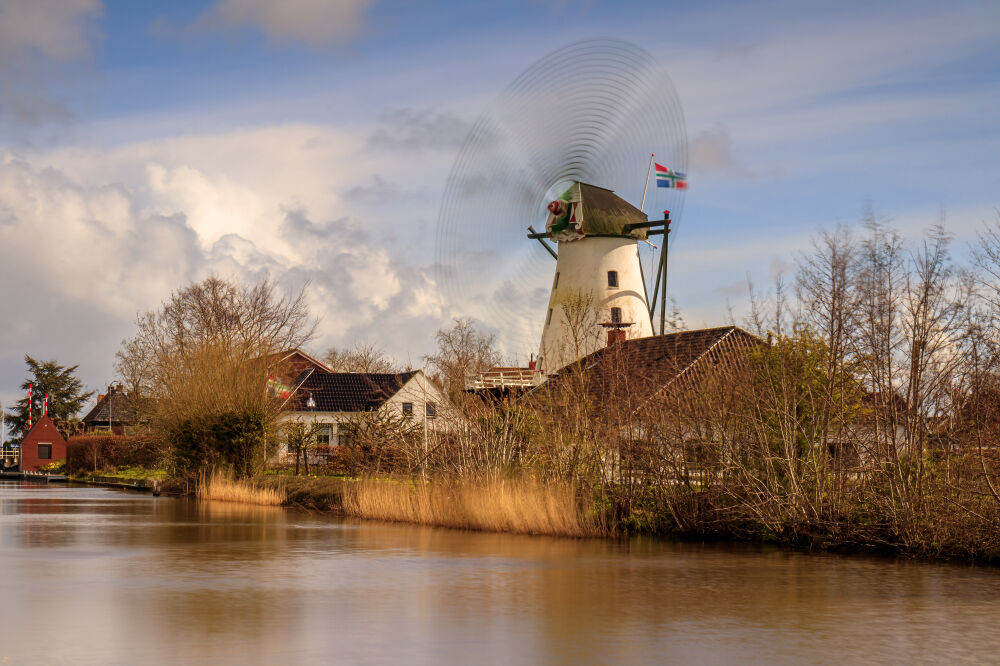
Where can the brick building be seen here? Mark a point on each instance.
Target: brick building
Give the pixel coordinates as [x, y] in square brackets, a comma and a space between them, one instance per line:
[42, 445]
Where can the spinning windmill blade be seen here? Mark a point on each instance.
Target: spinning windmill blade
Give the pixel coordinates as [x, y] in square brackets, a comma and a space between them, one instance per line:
[590, 112]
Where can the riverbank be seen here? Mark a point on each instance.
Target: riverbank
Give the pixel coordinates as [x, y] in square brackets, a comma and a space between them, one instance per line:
[526, 507]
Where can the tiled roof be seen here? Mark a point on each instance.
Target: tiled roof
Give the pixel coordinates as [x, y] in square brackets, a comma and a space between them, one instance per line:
[675, 351]
[347, 391]
[114, 406]
[660, 359]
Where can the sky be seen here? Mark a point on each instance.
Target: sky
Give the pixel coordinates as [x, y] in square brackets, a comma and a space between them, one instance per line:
[147, 145]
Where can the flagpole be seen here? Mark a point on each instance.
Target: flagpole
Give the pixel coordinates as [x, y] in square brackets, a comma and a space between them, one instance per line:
[642, 206]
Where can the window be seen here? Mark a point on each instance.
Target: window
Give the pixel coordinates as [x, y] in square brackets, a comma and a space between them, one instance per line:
[616, 315]
[549, 320]
[613, 279]
[45, 452]
[324, 435]
[431, 410]
[407, 409]
[556, 282]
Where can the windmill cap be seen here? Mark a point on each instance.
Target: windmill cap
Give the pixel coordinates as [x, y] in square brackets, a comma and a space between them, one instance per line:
[603, 212]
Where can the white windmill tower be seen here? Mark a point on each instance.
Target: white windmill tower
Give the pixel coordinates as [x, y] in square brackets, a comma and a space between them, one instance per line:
[599, 282]
[572, 130]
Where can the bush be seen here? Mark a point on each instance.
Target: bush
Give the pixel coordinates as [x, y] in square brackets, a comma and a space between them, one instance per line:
[91, 453]
[231, 441]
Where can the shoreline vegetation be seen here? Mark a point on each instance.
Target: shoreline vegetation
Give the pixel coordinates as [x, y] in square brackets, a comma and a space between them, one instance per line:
[523, 506]
[857, 408]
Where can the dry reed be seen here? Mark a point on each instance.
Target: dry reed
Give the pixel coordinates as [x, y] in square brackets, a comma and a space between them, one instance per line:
[511, 505]
[222, 488]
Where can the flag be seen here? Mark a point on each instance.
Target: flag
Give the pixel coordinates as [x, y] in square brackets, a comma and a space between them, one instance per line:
[669, 178]
[278, 388]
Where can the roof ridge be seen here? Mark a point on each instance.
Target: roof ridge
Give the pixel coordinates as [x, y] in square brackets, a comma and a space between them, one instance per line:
[686, 368]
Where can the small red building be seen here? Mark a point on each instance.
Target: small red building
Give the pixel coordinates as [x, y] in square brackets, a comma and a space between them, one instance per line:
[42, 445]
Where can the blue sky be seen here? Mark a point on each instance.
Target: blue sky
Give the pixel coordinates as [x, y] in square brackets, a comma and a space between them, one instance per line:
[145, 145]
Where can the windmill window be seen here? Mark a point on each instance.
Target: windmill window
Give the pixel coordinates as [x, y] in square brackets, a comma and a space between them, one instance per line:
[613, 279]
[616, 315]
[45, 452]
[549, 319]
[407, 409]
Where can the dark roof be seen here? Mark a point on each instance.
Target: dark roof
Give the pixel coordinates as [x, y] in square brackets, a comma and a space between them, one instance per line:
[347, 391]
[114, 405]
[657, 361]
[674, 350]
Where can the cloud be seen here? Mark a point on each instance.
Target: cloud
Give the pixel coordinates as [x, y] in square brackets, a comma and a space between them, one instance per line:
[711, 151]
[314, 23]
[418, 129]
[380, 192]
[89, 237]
[53, 29]
[40, 41]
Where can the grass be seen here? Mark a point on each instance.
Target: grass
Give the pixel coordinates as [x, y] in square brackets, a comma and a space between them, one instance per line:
[135, 473]
[510, 505]
[225, 489]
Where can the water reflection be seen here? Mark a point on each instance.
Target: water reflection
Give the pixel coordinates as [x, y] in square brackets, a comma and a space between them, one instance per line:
[116, 577]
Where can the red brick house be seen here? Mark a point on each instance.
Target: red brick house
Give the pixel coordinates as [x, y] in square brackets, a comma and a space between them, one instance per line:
[42, 445]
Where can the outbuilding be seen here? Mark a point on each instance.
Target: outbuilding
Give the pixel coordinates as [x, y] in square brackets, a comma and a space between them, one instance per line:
[42, 445]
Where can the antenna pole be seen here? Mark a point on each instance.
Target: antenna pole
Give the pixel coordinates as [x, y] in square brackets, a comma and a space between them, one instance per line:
[663, 283]
[644, 187]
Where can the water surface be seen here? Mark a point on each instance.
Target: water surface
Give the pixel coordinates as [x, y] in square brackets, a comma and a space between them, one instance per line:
[99, 576]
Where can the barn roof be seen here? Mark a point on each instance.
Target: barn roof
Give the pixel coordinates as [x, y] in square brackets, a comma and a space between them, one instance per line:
[347, 391]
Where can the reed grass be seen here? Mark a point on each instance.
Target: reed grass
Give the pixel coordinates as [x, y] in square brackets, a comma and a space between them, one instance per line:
[509, 505]
[221, 488]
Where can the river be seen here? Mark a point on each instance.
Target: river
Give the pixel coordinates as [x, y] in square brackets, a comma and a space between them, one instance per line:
[99, 576]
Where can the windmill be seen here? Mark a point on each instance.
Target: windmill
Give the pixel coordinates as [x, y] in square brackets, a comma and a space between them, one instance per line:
[560, 147]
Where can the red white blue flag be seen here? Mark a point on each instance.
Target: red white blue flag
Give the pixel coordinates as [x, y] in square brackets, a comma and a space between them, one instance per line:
[669, 178]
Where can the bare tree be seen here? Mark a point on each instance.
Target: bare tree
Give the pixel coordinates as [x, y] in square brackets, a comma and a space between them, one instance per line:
[201, 362]
[462, 350]
[360, 358]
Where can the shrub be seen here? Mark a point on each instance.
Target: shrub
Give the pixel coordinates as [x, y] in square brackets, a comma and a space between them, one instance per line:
[233, 441]
[90, 453]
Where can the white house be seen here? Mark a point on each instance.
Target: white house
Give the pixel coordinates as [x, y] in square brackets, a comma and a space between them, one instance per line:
[333, 399]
